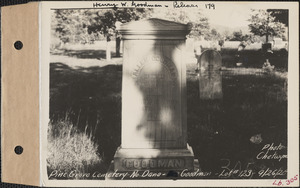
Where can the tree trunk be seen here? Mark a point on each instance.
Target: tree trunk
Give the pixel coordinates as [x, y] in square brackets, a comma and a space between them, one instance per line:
[267, 34]
[108, 51]
[118, 42]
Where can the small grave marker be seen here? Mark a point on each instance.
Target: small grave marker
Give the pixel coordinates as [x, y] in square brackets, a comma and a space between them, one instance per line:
[210, 78]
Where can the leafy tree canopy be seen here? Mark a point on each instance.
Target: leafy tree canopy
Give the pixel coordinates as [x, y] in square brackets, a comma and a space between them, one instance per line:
[106, 20]
[91, 24]
[264, 24]
[86, 25]
[237, 36]
[280, 15]
[200, 24]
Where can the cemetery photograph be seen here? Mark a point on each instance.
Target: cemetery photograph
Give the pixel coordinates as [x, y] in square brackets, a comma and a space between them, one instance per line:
[166, 93]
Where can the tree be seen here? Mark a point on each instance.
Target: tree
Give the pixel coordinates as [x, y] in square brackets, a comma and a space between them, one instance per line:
[280, 15]
[85, 25]
[70, 26]
[237, 36]
[106, 19]
[226, 35]
[264, 24]
[213, 35]
[200, 28]
[200, 24]
[105, 23]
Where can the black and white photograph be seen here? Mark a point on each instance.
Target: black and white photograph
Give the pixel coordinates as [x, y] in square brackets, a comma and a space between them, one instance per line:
[175, 90]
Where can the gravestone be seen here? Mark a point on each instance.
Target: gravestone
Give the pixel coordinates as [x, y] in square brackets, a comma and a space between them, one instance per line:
[154, 135]
[210, 78]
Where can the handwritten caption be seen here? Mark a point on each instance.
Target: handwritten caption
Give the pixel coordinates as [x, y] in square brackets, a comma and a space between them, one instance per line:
[236, 170]
[122, 175]
[271, 151]
[149, 4]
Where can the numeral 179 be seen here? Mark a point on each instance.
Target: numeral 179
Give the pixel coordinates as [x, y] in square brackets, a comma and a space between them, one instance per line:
[210, 6]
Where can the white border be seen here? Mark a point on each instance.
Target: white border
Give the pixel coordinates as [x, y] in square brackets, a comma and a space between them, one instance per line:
[293, 103]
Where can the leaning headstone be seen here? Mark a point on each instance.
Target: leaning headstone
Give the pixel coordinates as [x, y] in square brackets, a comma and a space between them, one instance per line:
[154, 133]
[210, 78]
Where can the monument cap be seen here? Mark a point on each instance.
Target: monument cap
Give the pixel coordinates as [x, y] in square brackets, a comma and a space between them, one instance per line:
[154, 28]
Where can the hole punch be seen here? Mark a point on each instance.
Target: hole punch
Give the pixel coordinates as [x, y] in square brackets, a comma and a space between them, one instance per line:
[18, 150]
[18, 45]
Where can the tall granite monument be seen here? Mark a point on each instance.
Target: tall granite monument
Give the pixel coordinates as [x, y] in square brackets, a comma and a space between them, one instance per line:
[154, 130]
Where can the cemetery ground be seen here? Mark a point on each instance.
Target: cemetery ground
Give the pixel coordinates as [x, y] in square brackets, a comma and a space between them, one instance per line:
[225, 134]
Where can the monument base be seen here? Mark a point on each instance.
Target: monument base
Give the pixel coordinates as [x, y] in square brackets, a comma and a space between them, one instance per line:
[154, 159]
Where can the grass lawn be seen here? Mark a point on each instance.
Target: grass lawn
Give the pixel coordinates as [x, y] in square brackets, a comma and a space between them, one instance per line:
[86, 90]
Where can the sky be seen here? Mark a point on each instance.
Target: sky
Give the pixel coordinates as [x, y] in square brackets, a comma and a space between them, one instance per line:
[229, 15]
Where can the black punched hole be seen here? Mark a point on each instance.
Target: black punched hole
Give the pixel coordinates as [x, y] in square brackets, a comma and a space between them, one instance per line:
[172, 174]
[18, 150]
[18, 45]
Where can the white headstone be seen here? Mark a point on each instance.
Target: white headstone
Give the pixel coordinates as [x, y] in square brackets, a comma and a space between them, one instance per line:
[154, 133]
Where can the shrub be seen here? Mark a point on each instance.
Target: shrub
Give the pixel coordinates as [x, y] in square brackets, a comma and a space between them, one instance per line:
[70, 149]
